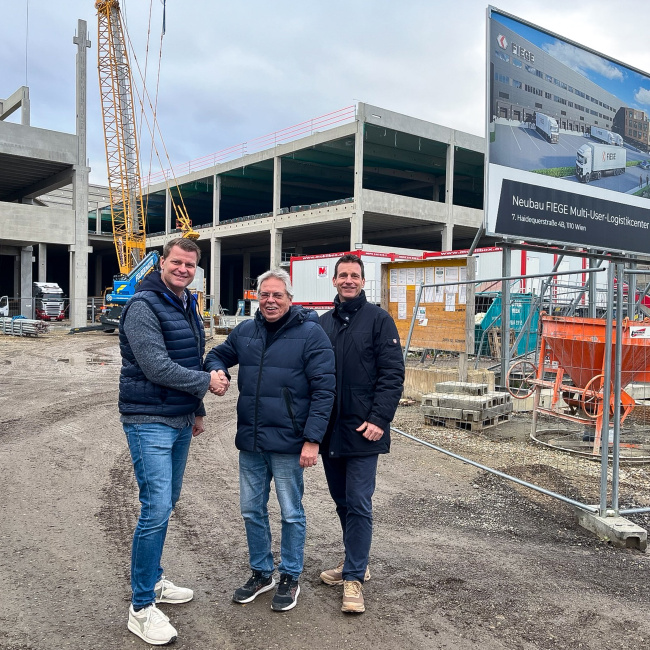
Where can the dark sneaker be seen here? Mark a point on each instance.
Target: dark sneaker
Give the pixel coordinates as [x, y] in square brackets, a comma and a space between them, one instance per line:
[286, 595]
[257, 584]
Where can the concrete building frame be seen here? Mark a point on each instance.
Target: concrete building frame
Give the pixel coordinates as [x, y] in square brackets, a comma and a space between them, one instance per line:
[33, 162]
[389, 204]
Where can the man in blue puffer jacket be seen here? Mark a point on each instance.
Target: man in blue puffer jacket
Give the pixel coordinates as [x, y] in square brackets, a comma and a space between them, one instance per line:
[286, 391]
[162, 384]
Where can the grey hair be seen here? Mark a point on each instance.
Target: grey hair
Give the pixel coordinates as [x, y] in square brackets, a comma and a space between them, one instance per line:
[279, 274]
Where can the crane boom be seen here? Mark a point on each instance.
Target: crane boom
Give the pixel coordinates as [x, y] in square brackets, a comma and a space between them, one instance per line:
[120, 137]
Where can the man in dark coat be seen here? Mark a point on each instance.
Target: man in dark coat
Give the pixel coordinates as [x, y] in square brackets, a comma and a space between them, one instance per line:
[162, 384]
[286, 391]
[369, 380]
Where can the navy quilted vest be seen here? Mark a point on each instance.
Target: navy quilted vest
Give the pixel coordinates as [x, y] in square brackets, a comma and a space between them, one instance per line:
[184, 338]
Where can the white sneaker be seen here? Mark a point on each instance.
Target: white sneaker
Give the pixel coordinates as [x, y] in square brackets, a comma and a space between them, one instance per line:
[167, 592]
[151, 625]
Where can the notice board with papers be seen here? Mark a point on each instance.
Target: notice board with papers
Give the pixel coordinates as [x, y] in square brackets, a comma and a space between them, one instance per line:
[445, 314]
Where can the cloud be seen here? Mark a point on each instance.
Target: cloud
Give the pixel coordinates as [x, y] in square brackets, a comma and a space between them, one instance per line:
[642, 95]
[583, 62]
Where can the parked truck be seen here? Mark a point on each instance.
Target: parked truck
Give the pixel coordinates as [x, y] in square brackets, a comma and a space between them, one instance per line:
[595, 160]
[4, 306]
[48, 301]
[547, 127]
[603, 135]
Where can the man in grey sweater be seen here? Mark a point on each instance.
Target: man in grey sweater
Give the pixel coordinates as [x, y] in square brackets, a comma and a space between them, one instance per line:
[162, 384]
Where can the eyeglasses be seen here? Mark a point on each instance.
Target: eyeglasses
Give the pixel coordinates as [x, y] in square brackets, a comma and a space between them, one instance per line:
[265, 295]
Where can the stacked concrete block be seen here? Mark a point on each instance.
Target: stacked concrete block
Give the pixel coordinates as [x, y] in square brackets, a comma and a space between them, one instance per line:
[466, 406]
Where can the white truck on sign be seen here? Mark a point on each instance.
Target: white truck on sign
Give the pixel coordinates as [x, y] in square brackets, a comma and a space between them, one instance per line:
[548, 127]
[603, 135]
[595, 160]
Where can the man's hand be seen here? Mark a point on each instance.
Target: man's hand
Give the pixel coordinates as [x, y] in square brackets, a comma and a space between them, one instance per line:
[198, 427]
[371, 431]
[218, 382]
[309, 454]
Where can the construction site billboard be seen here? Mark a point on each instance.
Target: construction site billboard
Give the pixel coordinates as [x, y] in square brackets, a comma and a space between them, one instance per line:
[568, 153]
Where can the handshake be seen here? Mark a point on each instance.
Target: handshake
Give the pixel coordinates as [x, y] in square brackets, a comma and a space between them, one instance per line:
[218, 382]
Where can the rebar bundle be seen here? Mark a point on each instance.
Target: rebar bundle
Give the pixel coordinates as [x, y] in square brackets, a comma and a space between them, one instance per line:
[22, 327]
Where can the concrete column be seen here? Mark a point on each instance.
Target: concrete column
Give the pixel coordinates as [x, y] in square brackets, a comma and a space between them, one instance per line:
[356, 221]
[25, 107]
[98, 221]
[436, 190]
[276, 248]
[16, 276]
[277, 185]
[168, 211]
[26, 261]
[79, 251]
[215, 273]
[447, 234]
[19, 99]
[246, 275]
[42, 262]
[447, 243]
[216, 199]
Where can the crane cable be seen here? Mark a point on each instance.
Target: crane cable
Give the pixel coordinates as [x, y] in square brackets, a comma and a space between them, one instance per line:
[181, 211]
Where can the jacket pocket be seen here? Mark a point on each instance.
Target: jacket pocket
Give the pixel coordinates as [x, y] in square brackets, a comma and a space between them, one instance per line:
[287, 400]
[356, 404]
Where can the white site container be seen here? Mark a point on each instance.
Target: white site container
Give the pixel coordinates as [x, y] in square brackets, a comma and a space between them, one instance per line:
[311, 275]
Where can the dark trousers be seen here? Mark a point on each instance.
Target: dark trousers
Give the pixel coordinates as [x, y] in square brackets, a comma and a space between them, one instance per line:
[351, 482]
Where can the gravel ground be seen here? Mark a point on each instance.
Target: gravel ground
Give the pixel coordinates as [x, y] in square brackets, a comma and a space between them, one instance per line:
[461, 559]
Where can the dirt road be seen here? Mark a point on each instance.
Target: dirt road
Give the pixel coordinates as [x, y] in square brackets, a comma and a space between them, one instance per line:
[460, 559]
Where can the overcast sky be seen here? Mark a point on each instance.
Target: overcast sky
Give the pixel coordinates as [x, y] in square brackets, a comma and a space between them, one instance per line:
[233, 71]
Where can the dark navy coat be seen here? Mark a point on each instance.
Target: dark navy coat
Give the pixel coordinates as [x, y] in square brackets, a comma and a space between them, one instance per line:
[369, 376]
[286, 387]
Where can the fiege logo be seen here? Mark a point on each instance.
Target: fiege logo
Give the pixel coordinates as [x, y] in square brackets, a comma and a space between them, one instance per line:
[502, 42]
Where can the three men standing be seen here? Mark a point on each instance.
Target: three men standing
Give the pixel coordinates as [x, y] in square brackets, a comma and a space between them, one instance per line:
[286, 390]
[369, 380]
[302, 386]
[162, 384]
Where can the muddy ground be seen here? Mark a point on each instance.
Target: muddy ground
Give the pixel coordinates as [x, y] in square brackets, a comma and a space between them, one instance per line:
[460, 558]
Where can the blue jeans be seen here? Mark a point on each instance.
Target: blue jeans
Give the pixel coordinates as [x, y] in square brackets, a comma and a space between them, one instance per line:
[351, 482]
[159, 453]
[256, 469]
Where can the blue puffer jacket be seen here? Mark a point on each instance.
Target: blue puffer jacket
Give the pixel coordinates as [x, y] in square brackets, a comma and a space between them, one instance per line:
[184, 338]
[286, 388]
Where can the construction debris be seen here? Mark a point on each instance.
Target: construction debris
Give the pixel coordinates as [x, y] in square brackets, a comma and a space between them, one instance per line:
[465, 406]
[405, 401]
[22, 327]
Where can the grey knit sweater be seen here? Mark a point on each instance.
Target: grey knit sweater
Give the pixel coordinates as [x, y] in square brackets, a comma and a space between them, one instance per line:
[143, 331]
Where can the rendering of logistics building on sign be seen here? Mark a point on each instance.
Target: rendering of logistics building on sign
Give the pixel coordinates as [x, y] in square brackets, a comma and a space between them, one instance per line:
[564, 111]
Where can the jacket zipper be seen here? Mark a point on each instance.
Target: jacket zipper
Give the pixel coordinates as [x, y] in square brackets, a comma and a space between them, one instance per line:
[259, 374]
[287, 401]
